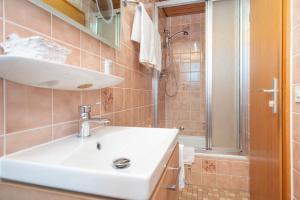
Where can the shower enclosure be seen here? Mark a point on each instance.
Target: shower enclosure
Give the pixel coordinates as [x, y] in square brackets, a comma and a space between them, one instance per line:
[203, 86]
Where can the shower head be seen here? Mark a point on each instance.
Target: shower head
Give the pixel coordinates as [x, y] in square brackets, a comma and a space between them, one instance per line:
[169, 38]
[183, 32]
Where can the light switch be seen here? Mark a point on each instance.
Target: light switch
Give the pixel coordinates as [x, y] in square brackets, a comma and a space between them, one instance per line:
[297, 94]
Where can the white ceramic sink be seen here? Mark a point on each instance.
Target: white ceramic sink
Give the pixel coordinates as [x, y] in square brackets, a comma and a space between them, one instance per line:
[76, 164]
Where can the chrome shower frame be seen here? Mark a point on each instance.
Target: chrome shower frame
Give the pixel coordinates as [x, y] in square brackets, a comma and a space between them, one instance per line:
[243, 76]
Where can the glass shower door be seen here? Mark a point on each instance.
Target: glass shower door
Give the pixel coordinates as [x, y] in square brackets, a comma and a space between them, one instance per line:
[225, 83]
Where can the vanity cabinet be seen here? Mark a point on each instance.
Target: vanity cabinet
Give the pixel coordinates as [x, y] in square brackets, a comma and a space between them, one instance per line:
[166, 189]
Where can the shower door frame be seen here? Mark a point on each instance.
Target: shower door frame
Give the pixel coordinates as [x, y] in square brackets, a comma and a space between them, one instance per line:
[243, 62]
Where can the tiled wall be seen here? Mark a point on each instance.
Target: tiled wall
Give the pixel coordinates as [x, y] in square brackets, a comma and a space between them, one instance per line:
[219, 172]
[296, 106]
[30, 116]
[187, 108]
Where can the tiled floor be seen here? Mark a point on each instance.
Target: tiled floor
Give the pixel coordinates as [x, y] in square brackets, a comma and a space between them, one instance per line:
[195, 192]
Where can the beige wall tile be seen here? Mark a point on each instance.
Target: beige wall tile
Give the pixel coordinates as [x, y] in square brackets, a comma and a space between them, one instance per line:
[27, 14]
[65, 32]
[16, 142]
[65, 106]
[27, 107]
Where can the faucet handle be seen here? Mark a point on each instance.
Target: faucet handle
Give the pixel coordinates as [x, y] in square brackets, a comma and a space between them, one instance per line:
[85, 109]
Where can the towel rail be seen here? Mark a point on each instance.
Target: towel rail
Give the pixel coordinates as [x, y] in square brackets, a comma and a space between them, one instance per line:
[125, 2]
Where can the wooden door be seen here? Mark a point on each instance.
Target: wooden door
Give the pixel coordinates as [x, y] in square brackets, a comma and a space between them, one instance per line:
[265, 129]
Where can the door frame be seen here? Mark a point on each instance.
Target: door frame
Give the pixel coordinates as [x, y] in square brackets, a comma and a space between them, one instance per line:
[286, 98]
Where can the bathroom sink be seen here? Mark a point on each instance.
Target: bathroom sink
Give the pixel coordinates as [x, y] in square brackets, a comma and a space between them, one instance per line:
[86, 165]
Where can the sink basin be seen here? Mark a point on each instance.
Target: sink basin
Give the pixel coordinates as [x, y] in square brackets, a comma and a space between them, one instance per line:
[80, 165]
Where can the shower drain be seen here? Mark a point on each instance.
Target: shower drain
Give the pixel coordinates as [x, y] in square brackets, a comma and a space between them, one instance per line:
[121, 163]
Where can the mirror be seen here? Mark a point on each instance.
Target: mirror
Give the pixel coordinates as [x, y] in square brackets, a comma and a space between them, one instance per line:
[105, 9]
[98, 18]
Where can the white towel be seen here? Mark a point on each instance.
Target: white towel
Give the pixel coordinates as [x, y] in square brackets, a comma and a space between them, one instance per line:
[189, 155]
[181, 165]
[144, 32]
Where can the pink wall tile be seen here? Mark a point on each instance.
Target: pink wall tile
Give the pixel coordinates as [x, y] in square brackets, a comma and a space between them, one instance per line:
[1, 108]
[22, 32]
[1, 33]
[296, 184]
[86, 52]
[65, 106]
[107, 99]
[92, 98]
[296, 7]
[1, 145]
[63, 130]
[16, 142]
[107, 52]
[27, 107]
[224, 167]
[296, 156]
[223, 181]
[296, 43]
[209, 179]
[240, 183]
[90, 44]
[74, 57]
[296, 69]
[240, 168]
[90, 61]
[65, 32]
[118, 99]
[209, 166]
[296, 127]
[1, 8]
[27, 14]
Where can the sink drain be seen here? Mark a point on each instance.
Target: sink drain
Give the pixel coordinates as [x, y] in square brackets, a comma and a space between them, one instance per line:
[121, 163]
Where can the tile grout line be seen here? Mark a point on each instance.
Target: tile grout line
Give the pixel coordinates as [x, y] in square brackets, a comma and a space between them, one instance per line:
[4, 84]
[52, 91]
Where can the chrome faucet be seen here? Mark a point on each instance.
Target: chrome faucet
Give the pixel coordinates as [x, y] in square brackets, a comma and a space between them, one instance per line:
[85, 120]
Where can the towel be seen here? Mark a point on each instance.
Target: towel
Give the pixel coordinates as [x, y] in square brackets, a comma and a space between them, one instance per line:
[181, 165]
[188, 155]
[144, 32]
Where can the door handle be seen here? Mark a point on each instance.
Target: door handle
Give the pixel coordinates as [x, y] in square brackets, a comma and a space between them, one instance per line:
[274, 91]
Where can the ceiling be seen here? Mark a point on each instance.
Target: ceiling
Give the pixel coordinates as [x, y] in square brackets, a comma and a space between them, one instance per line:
[184, 9]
